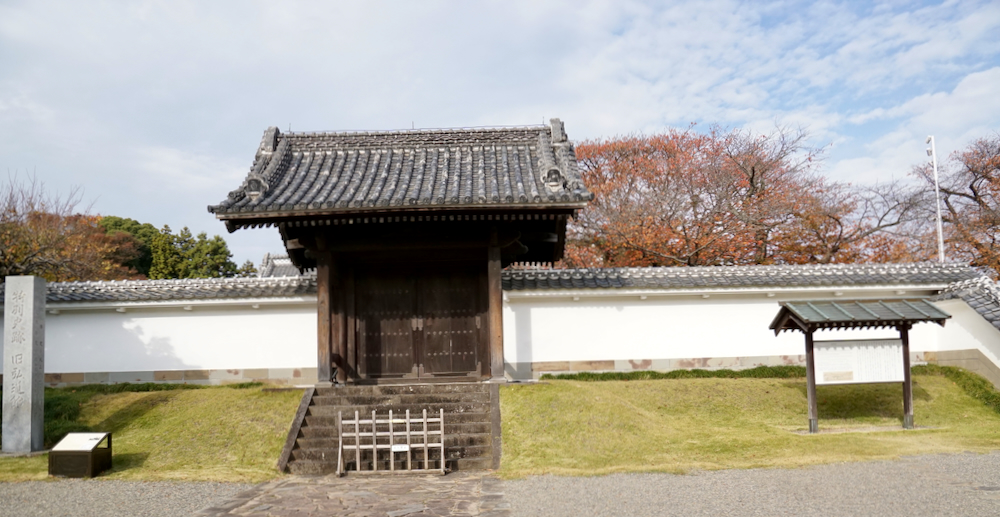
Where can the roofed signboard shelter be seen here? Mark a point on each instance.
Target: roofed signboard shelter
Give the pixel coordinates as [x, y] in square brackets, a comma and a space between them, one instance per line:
[408, 232]
[810, 316]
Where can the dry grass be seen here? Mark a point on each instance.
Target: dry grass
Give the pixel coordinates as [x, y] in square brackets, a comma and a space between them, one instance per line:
[569, 427]
[216, 434]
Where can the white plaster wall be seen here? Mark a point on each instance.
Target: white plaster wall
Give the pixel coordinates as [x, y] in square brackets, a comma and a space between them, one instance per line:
[536, 329]
[966, 330]
[170, 338]
[680, 327]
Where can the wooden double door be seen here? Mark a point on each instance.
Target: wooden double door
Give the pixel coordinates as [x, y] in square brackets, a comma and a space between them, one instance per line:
[420, 322]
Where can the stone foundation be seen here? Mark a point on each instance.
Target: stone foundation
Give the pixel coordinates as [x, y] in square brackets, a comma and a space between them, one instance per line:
[971, 359]
[525, 371]
[276, 376]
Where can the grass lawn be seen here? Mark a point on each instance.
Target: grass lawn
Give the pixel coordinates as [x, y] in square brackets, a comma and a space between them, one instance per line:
[209, 434]
[573, 427]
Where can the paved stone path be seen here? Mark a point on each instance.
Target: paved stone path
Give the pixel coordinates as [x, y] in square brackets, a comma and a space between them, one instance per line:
[457, 494]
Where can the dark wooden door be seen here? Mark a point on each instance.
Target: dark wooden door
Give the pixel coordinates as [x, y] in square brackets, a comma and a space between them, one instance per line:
[386, 315]
[419, 322]
[451, 312]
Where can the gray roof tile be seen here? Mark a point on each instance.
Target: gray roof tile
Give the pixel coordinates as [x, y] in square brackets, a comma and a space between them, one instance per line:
[277, 266]
[962, 278]
[982, 294]
[738, 276]
[446, 168]
[186, 289]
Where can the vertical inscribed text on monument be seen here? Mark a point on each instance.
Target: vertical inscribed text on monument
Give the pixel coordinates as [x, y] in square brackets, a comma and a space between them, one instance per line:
[24, 364]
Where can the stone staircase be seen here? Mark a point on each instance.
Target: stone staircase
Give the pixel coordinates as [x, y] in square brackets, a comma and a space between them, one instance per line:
[471, 414]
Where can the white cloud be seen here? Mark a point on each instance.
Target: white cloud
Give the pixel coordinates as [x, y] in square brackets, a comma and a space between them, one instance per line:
[971, 110]
[156, 107]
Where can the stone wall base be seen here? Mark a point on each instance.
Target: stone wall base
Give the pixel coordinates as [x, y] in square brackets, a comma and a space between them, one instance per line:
[971, 359]
[524, 371]
[276, 376]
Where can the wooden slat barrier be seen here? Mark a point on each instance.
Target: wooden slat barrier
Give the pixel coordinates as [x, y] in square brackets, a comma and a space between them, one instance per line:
[415, 434]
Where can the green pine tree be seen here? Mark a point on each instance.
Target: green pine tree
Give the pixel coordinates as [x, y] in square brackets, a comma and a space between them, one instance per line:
[166, 257]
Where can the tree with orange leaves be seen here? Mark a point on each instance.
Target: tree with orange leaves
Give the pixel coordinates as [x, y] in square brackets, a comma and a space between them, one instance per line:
[41, 235]
[682, 198]
[658, 201]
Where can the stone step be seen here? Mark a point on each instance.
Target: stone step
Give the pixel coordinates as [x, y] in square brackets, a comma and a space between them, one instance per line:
[449, 418]
[453, 440]
[397, 389]
[383, 411]
[468, 424]
[317, 431]
[452, 453]
[405, 398]
[326, 426]
[316, 468]
[330, 431]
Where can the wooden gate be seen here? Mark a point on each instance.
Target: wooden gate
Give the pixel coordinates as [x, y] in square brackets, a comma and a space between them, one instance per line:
[420, 322]
[392, 440]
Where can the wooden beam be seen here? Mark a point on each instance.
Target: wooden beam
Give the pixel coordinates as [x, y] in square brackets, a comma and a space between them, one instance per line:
[811, 384]
[324, 360]
[494, 292]
[904, 336]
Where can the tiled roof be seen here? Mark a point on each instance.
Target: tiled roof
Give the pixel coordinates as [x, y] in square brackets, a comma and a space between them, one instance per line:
[738, 276]
[186, 289]
[277, 266]
[965, 282]
[808, 315]
[313, 173]
[982, 294]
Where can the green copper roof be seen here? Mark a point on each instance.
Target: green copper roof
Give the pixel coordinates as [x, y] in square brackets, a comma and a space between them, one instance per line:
[808, 316]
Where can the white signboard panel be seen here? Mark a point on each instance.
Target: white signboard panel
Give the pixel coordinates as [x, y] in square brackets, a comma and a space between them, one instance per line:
[858, 361]
[80, 441]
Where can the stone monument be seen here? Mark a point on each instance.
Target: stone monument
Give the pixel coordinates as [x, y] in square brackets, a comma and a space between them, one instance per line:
[23, 364]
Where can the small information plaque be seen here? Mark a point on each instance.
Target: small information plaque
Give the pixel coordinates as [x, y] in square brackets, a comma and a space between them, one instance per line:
[81, 455]
[400, 447]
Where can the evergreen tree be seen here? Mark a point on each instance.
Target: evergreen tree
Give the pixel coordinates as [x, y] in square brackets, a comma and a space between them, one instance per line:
[143, 235]
[187, 256]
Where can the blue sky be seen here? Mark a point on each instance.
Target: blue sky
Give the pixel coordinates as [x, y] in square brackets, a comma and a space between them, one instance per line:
[155, 109]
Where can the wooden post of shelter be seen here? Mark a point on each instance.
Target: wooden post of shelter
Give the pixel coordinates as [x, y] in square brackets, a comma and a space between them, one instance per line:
[904, 336]
[811, 384]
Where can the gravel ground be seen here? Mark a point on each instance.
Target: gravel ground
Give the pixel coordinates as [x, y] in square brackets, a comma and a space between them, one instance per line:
[104, 498]
[940, 485]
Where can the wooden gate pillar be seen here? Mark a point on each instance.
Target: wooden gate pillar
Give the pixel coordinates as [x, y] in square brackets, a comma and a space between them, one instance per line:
[324, 349]
[495, 307]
